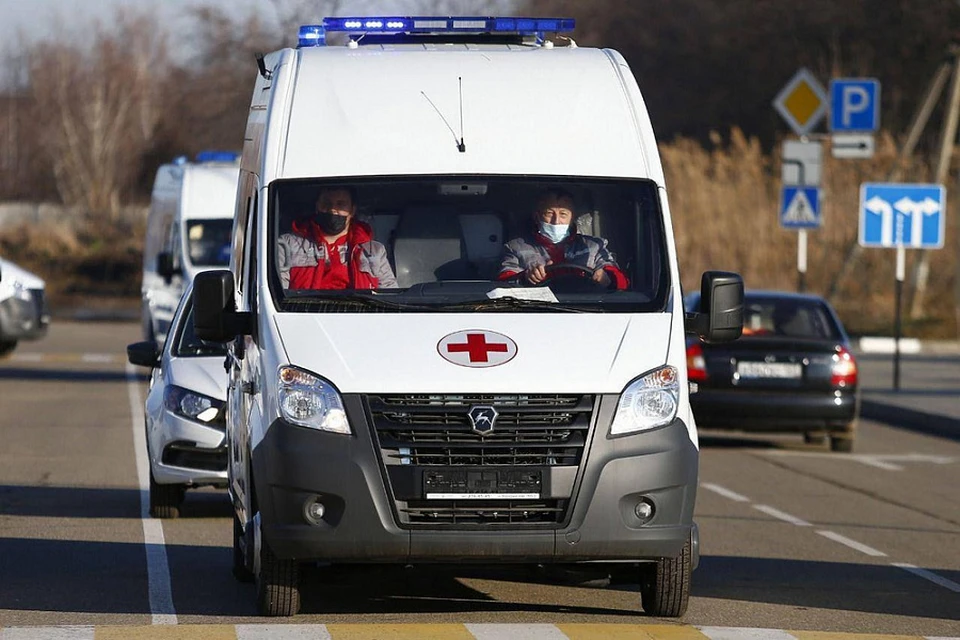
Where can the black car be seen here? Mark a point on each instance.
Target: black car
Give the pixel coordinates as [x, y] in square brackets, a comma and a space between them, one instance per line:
[792, 370]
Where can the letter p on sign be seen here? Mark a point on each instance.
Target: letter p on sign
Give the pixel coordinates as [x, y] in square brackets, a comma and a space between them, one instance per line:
[854, 104]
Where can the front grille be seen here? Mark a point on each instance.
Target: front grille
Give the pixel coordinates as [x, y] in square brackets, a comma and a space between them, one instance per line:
[189, 456]
[420, 432]
[465, 512]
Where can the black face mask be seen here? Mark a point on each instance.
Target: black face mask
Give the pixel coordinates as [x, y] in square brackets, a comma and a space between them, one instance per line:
[331, 223]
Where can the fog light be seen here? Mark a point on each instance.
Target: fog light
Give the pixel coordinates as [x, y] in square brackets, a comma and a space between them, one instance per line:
[313, 511]
[644, 511]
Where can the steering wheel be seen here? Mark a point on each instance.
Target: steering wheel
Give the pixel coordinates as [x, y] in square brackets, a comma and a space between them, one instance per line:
[566, 270]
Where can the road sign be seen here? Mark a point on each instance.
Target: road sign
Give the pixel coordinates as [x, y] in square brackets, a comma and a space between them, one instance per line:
[801, 162]
[800, 207]
[852, 145]
[902, 215]
[854, 104]
[802, 102]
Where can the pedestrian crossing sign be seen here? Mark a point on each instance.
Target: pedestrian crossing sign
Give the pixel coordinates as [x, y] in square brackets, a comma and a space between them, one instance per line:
[800, 207]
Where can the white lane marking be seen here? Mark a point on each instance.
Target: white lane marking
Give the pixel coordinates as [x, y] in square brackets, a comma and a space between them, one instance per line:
[877, 460]
[928, 575]
[726, 493]
[853, 544]
[27, 357]
[97, 357]
[48, 633]
[282, 632]
[780, 515]
[158, 570]
[516, 632]
[732, 633]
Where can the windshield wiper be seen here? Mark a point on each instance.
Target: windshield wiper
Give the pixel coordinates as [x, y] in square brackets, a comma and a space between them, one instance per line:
[509, 302]
[369, 302]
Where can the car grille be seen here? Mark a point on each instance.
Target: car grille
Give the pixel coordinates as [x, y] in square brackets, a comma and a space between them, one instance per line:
[537, 432]
[189, 456]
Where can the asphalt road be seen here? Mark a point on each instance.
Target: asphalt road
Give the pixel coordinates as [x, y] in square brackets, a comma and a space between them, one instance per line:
[793, 537]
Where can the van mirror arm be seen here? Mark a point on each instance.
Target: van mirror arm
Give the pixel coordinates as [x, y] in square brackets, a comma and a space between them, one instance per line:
[262, 66]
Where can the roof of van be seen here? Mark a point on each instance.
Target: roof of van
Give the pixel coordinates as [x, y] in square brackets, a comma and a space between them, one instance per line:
[209, 191]
[395, 109]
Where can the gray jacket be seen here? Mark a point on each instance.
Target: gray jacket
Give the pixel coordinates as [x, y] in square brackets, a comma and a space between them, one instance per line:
[586, 251]
[369, 258]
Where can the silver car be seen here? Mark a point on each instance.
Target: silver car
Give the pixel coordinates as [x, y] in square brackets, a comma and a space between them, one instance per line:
[23, 306]
[184, 412]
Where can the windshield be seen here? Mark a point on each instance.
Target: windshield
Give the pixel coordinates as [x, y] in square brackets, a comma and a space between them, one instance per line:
[208, 242]
[468, 243]
[771, 317]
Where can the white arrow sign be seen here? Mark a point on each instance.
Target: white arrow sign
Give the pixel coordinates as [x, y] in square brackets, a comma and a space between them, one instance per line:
[916, 211]
[882, 208]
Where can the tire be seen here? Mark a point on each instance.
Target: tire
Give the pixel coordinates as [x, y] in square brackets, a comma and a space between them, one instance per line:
[665, 585]
[841, 444]
[815, 438]
[165, 499]
[240, 569]
[278, 584]
[7, 346]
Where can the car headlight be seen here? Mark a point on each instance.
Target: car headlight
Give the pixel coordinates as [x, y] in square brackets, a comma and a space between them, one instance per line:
[192, 405]
[21, 292]
[648, 402]
[309, 401]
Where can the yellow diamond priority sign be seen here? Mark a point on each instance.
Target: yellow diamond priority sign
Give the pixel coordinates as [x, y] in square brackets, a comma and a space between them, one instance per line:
[802, 102]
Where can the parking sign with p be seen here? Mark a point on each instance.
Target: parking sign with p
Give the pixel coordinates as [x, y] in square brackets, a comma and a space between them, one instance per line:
[854, 104]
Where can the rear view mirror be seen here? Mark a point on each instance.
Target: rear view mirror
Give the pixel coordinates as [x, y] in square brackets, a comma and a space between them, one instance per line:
[215, 315]
[720, 318]
[144, 354]
[165, 265]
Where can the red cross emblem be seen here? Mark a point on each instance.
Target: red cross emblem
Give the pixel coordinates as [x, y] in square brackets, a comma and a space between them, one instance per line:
[482, 348]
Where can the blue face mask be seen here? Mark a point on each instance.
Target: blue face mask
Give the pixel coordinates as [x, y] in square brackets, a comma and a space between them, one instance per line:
[554, 232]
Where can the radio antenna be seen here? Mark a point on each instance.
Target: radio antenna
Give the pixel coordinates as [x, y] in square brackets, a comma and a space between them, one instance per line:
[462, 147]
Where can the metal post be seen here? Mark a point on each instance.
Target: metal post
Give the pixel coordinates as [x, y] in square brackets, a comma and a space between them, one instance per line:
[802, 260]
[898, 296]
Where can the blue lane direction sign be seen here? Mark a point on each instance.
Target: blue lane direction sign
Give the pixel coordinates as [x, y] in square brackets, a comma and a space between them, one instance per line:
[800, 207]
[854, 104]
[902, 215]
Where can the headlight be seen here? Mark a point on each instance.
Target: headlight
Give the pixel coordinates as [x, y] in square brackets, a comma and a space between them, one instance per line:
[195, 406]
[21, 292]
[308, 401]
[648, 402]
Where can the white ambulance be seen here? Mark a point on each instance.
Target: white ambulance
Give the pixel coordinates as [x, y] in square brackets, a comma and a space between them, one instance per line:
[188, 230]
[486, 362]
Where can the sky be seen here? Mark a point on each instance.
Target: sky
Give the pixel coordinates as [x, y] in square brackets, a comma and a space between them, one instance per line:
[32, 18]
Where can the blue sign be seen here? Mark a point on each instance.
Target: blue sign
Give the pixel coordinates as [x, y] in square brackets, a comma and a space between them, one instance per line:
[800, 207]
[902, 215]
[854, 105]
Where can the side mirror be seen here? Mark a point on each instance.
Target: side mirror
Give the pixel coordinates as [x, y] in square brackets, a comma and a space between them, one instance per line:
[720, 318]
[165, 265]
[144, 354]
[215, 315]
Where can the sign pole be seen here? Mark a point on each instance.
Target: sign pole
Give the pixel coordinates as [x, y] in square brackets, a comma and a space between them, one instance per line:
[898, 296]
[801, 260]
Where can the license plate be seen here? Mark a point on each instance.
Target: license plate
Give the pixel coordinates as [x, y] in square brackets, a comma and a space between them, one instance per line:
[784, 370]
[500, 484]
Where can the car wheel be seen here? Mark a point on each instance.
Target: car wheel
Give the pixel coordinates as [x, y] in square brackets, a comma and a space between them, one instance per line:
[278, 581]
[240, 570]
[815, 438]
[841, 444]
[165, 499]
[665, 585]
[6, 346]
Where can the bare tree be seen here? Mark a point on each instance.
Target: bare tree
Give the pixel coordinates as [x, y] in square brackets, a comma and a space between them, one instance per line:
[99, 108]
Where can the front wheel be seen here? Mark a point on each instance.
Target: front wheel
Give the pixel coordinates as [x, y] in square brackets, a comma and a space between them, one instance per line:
[665, 585]
[278, 581]
[165, 499]
[7, 346]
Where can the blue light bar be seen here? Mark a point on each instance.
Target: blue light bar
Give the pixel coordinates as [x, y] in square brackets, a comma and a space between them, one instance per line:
[313, 35]
[217, 156]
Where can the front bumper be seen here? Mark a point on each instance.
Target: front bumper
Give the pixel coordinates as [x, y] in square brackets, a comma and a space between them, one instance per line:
[24, 318]
[753, 410]
[293, 466]
[185, 452]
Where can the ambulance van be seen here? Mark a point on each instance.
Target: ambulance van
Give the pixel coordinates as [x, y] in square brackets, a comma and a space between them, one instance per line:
[188, 230]
[421, 395]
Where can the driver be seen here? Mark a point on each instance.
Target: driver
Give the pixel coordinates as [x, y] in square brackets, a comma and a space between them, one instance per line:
[553, 240]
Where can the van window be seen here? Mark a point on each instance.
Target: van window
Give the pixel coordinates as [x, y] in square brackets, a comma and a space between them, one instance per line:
[208, 242]
[456, 243]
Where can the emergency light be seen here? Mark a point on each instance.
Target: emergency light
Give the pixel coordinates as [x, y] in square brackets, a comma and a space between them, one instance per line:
[314, 35]
[218, 156]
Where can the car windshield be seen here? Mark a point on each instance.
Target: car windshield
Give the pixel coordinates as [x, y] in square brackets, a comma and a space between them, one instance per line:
[188, 345]
[468, 243]
[208, 242]
[788, 318]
